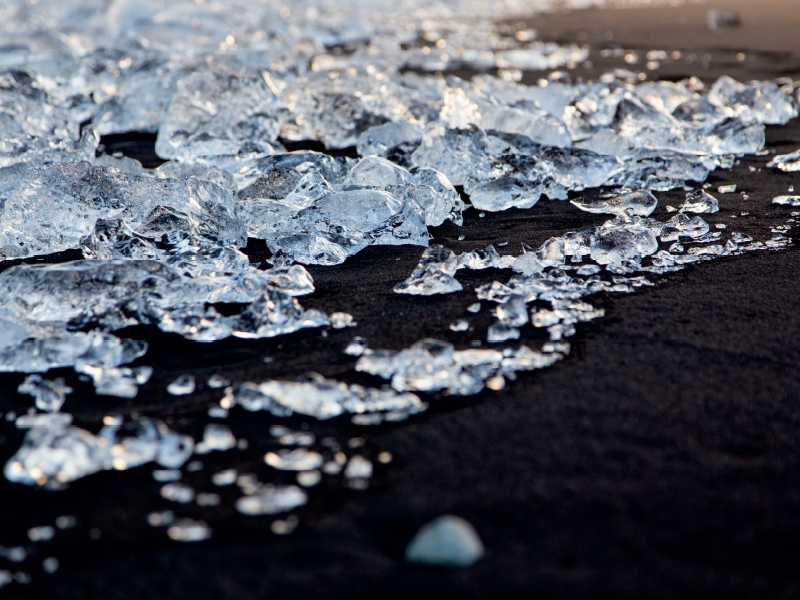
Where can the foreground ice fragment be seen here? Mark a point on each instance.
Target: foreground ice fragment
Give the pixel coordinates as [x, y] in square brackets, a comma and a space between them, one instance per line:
[727, 189]
[639, 202]
[788, 163]
[433, 274]
[272, 500]
[761, 101]
[55, 453]
[341, 320]
[700, 202]
[215, 437]
[182, 386]
[49, 395]
[122, 382]
[447, 541]
[189, 530]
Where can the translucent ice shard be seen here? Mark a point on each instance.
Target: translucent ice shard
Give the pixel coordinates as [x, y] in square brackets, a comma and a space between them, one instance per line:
[787, 200]
[447, 541]
[49, 395]
[682, 226]
[219, 114]
[639, 202]
[433, 274]
[622, 239]
[272, 500]
[122, 382]
[761, 101]
[788, 163]
[182, 386]
[216, 437]
[700, 202]
[55, 453]
[484, 259]
[57, 205]
[340, 320]
[382, 138]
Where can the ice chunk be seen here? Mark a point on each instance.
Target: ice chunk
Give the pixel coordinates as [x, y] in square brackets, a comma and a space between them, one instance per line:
[484, 259]
[447, 541]
[458, 325]
[513, 312]
[761, 101]
[219, 114]
[189, 530]
[502, 332]
[177, 492]
[638, 202]
[49, 395]
[433, 274]
[340, 320]
[182, 386]
[701, 202]
[57, 205]
[787, 200]
[215, 437]
[621, 240]
[789, 163]
[122, 382]
[682, 226]
[294, 460]
[382, 138]
[727, 189]
[272, 500]
[55, 453]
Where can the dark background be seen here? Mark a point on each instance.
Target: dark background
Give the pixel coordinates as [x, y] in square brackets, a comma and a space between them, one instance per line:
[661, 459]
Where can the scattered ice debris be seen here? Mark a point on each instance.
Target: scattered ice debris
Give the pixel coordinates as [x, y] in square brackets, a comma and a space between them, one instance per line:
[178, 492]
[215, 437]
[323, 399]
[49, 395]
[433, 274]
[484, 259]
[189, 530]
[268, 499]
[55, 452]
[727, 189]
[182, 386]
[122, 382]
[788, 163]
[447, 541]
[340, 320]
[356, 346]
[458, 325]
[700, 202]
[787, 200]
[639, 202]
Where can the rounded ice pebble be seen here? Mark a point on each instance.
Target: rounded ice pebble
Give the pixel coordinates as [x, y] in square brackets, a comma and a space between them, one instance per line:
[447, 541]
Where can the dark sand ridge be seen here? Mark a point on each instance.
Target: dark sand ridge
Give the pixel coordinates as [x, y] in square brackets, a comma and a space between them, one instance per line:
[660, 460]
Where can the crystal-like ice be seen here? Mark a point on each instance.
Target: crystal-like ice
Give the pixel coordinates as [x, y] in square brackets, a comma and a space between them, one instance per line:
[786, 200]
[788, 163]
[294, 460]
[638, 202]
[341, 320]
[215, 437]
[182, 386]
[122, 382]
[433, 274]
[49, 395]
[447, 541]
[701, 202]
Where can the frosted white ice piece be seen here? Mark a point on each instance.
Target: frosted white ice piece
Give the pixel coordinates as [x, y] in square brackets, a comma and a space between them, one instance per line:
[49, 395]
[459, 325]
[299, 459]
[358, 467]
[786, 200]
[122, 382]
[272, 500]
[433, 274]
[727, 189]
[182, 386]
[484, 259]
[701, 202]
[502, 332]
[177, 492]
[788, 163]
[341, 320]
[761, 101]
[638, 202]
[447, 541]
[215, 437]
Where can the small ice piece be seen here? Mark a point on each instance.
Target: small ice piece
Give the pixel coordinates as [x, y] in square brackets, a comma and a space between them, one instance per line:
[433, 274]
[700, 202]
[528, 264]
[217, 381]
[474, 308]
[356, 347]
[588, 270]
[50, 565]
[447, 541]
[66, 522]
[215, 437]
[207, 499]
[501, 332]
[16, 554]
[459, 325]
[638, 202]
[287, 437]
[358, 467]
[682, 226]
[165, 475]
[160, 518]
[189, 530]
[177, 492]
[41, 533]
[309, 478]
[484, 259]
[122, 382]
[727, 189]
[788, 163]
[284, 526]
[226, 477]
[49, 395]
[340, 320]
[787, 200]
[513, 312]
[299, 459]
[182, 386]
[272, 500]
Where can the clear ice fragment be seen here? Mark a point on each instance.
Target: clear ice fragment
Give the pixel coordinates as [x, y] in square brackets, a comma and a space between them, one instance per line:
[189, 530]
[638, 202]
[727, 189]
[701, 202]
[787, 200]
[177, 492]
[433, 274]
[272, 500]
[299, 459]
[49, 395]
[459, 325]
[340, 320]
[787, 163]
[182, 386]
[122, 382]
